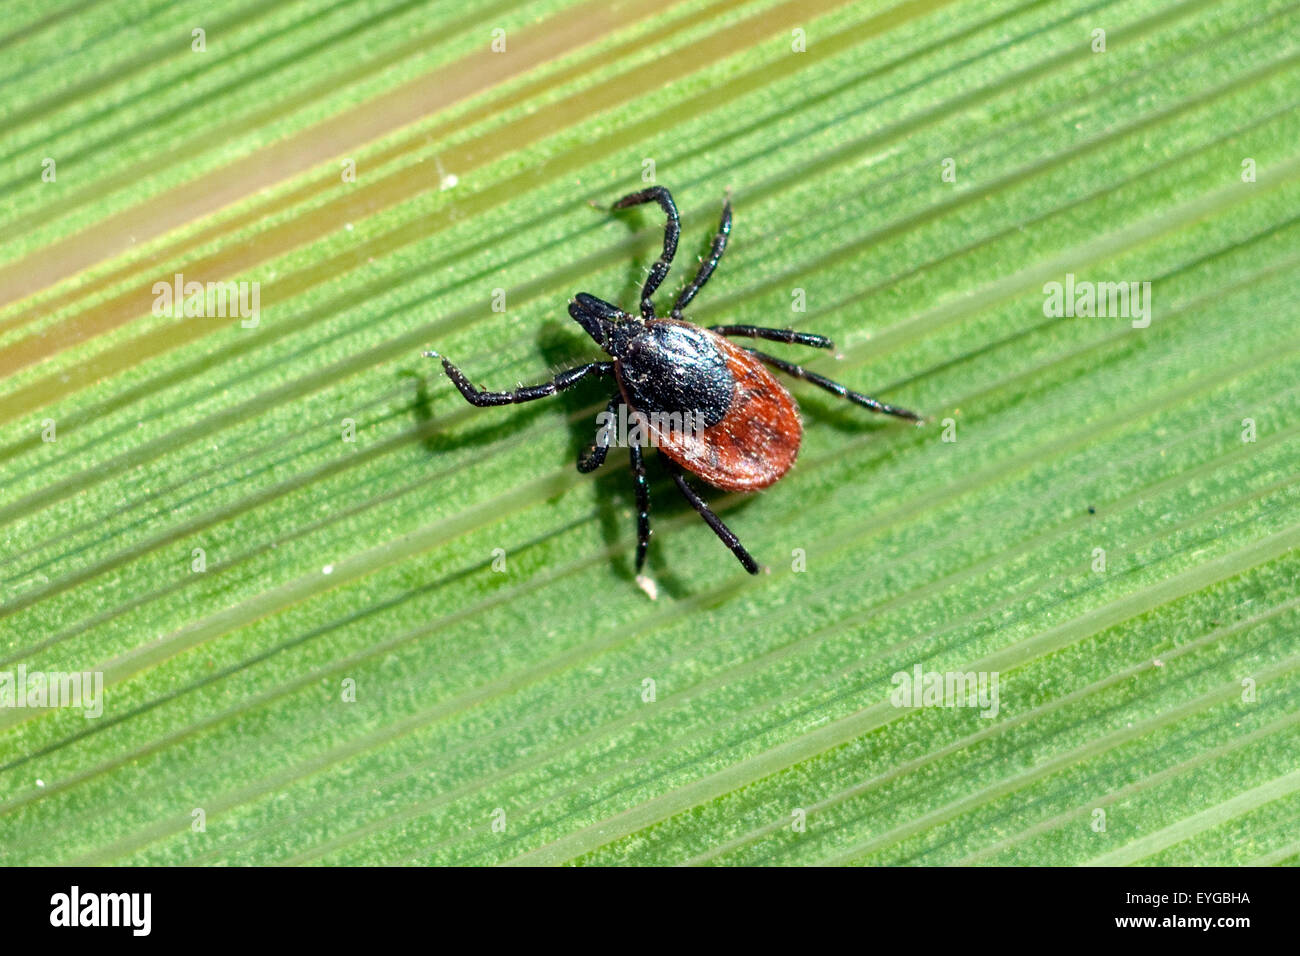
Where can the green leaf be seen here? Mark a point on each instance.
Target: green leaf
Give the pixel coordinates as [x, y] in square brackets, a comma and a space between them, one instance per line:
[341, 617]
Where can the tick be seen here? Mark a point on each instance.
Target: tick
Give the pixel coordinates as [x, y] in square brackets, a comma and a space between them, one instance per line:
[745, 430]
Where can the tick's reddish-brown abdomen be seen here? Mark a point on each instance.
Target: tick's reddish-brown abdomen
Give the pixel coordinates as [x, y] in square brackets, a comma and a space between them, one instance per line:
[754, 444]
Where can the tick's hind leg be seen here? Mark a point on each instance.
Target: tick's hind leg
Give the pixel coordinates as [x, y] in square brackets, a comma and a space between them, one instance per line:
[673, 229]
[789, 336]
[596, 452]
[713, 521]
[835, 388]
[642, 505]
[708, 265]
[528, 393]
[594, 457]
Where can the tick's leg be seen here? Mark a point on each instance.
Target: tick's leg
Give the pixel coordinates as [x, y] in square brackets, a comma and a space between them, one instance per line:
[594, 456]
[835, 388]
[477, 396]
[713, 521]
[672, 230]
[789, 336]
[642, 506]
[709, 264]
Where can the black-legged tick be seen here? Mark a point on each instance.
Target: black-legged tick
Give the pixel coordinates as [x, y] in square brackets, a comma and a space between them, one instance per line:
[744, 428]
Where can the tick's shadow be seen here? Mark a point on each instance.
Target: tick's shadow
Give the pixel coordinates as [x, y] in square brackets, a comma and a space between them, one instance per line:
[439, 433]
[635, 220]
[611, 486]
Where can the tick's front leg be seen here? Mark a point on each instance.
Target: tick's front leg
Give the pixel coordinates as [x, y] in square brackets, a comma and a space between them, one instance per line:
[528, 393]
